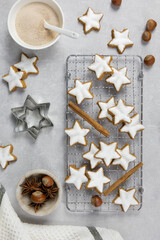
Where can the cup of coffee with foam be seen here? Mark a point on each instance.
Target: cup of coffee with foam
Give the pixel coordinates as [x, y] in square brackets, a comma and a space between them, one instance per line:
[26, 23]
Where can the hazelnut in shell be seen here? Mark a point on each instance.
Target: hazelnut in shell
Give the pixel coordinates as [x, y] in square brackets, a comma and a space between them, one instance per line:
[149, 60]
[49, 205]
[151, 25]
[47, 181]
[38, 197]
[96, 201]
[146, 36]
[117, 2]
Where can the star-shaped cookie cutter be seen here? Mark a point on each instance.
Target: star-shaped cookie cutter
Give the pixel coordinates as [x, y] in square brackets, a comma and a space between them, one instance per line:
[23, 123]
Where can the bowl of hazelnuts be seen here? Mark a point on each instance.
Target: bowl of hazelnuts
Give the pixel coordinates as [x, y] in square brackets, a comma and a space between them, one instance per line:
[39, 192]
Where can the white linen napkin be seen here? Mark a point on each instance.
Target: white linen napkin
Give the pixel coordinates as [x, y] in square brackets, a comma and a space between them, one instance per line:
[12, 228]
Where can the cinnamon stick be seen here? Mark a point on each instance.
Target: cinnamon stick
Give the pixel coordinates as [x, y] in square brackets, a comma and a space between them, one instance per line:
[86, 117]
[122, 179]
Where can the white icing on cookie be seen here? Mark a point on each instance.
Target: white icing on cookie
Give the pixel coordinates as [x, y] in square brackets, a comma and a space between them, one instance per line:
[77, 134]
[101, 66]
[97, 180]
[126, 198]
[107, 152]
[121, 112]
[81, 91]
[91, 20]
[77, 176]
[104, 106]
[6, 155]
[14, 79]
[118, 78]
[90, 156]
[27, 64]
[120, 40]
[133, 127]
[126, 157]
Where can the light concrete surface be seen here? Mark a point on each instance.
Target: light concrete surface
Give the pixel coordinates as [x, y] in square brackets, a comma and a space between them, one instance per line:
[48, 151]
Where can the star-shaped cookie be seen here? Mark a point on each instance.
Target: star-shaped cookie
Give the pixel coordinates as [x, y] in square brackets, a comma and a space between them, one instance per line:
[14, 79]
[6, 155]
[126, 198]
[120, 40]
[90, 156]
[104, 106]
[81, 91]
[108, 152]
[121, 112]
[118, 78]
[97, 180]
[126, 157]
[27, 64]
[77, 134]
[90, 20]
[133, 127]
[101, 66]
[77, 176]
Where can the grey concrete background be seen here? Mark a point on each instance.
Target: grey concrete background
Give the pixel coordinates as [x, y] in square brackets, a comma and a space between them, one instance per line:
[48, 151]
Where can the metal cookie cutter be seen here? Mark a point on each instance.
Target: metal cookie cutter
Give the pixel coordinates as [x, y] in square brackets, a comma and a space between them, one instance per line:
[32, 117]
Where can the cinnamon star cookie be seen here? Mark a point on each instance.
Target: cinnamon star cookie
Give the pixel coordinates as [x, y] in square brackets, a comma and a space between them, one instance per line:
[90, 156]
[101, 66]
[121, 112]
[81, 91]
[97, 180]
[120, 40]
[90, 20]
[133, 127]
[104, 106]
[126, 157]
[108, 152]
[126, 198]
[14, 79]
[6, 155]
[27, 64]
[118, 78]
[77, 176]
[77, 134]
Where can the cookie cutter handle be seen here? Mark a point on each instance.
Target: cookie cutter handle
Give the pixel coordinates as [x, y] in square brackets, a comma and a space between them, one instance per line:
[66, 32]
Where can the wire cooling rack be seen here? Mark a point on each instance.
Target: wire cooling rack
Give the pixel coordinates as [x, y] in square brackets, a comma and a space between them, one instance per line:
[77, 67]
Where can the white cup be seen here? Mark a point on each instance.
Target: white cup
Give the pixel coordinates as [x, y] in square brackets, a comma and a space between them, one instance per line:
[12, 16]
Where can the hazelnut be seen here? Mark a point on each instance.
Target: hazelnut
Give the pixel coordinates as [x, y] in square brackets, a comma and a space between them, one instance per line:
[146, 36]
[117, 2]
[96, 201]
[47, 181]
[38, 197]
[149, 60]
[151, 25]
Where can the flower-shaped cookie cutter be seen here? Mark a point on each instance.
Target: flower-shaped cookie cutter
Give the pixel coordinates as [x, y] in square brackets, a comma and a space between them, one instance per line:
[32, 117]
